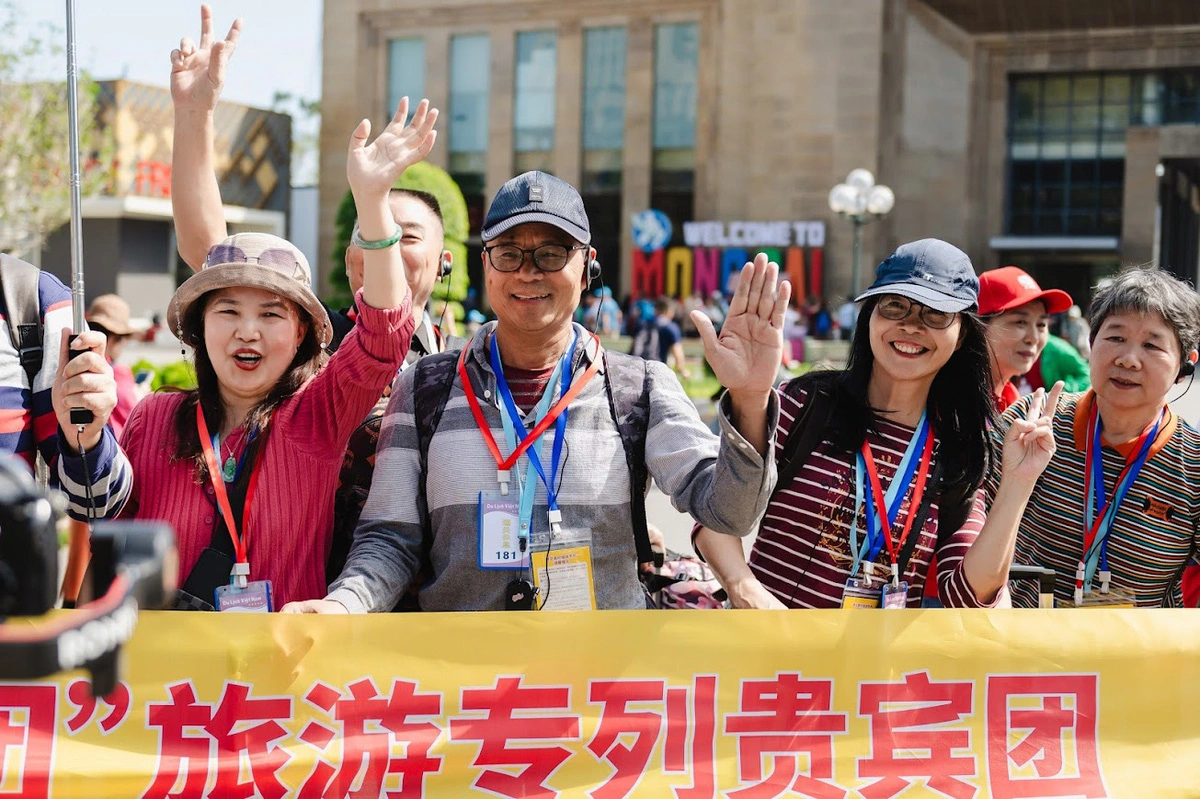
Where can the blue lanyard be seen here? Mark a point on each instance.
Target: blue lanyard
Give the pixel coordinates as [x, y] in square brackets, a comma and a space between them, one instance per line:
[872, 542]
[513, 424]
[1096, 504]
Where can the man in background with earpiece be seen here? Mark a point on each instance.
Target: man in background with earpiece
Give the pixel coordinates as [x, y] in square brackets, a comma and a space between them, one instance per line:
[197, 76]
[512, 474]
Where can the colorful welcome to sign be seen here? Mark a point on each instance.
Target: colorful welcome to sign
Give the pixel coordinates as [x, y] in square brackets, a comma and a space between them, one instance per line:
[715, 250]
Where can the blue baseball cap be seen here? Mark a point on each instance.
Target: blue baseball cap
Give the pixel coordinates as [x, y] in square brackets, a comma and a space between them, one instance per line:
[537, 197]
[931, 272]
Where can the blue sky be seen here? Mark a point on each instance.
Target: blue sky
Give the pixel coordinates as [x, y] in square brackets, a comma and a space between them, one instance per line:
[280, 48]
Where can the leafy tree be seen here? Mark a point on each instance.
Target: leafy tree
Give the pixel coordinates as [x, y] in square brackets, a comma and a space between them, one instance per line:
[34, 155]
[421, 176]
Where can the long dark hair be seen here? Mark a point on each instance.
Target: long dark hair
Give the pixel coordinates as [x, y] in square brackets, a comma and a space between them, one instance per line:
[309, 359]
[961, 406]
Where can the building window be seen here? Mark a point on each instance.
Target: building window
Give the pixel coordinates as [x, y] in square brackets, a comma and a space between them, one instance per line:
[604, 138]
[533, 100]
[1066, 144]
[406, 73]
[673, 176]
[470, 70]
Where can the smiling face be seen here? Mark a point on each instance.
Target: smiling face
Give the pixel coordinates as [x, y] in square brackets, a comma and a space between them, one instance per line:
[1016, 338]
[421, 248]
[251, 337]
[531, 301]
[908, 350]
[1135, 360]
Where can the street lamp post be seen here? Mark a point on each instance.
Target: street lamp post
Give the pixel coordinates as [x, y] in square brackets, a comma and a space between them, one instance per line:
[861, 201]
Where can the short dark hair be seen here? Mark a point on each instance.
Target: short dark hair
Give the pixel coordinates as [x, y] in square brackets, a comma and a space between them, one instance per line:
[427, 199]
[662, 305]
[1150, 290]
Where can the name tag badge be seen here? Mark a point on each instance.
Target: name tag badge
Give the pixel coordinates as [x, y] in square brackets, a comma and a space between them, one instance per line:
[858, 596]
[254, 598]
[1115, 598]
[499, 528]
[562, 571]
[895, 596]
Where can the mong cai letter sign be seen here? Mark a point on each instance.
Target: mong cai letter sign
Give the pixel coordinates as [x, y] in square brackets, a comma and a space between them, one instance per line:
[712, 251]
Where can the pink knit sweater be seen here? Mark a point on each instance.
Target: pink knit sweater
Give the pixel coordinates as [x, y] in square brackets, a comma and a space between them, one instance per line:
[291, 521]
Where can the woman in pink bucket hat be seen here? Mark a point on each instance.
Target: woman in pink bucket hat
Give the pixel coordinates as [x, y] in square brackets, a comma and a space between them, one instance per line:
[245, 465]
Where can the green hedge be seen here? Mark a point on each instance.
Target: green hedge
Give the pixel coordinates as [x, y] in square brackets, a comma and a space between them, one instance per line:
[421, 176]
[179, 374]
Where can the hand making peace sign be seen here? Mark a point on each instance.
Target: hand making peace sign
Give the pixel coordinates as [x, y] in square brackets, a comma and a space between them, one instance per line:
[198, 71]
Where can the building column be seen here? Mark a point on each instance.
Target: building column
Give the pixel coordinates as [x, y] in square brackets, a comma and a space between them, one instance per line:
[568, 103]
[636, 157]
[500, 109]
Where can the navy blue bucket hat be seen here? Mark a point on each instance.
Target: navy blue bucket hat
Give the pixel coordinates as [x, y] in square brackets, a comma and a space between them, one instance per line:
[931, 272]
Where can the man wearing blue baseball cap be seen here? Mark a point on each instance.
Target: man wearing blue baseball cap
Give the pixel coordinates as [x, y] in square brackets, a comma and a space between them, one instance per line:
[512, 474]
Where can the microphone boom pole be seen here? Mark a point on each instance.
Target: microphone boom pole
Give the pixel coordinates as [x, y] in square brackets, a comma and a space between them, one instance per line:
[79, 416]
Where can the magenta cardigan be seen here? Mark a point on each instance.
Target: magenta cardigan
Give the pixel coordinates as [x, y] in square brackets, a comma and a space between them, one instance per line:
[291, 521]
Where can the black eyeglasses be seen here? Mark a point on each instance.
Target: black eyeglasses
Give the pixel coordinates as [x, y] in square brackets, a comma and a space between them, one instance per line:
[897, 308]
[548, 257]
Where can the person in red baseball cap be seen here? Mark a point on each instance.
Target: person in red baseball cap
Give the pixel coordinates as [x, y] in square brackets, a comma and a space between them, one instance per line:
[1017, 313]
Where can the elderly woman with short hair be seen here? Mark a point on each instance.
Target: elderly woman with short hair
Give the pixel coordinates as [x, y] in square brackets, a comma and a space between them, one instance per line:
[1116, 512]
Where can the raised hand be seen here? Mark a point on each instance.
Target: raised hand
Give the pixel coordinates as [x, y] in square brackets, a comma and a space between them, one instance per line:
[1029, 442]
[198, 71]
[372, 169]
[746, 356]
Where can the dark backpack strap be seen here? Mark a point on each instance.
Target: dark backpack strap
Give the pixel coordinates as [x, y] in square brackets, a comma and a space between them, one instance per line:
[805, 434]
[433, 380]
[627, 381]
[23, 312]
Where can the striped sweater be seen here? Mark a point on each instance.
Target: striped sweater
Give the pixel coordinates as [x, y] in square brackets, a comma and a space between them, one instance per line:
[803, 553]
[28, 424]
[291, 514]
[1156, 529]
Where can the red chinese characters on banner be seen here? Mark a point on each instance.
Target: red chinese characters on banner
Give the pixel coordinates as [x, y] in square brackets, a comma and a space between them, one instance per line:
[513, 712]
[406, 718]
[1042, 736]
[911, 736]
[27, 719]
[195, 735]
[690, 717]
[788, 721]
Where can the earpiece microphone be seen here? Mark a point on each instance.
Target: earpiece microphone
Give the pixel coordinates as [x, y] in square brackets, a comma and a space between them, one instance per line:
[445, 267]
[1188, 368]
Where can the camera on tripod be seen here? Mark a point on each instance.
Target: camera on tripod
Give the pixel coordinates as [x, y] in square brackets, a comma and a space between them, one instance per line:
[134, 565]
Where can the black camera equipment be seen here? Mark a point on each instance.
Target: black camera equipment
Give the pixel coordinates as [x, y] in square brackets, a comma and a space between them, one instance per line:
[134, 565]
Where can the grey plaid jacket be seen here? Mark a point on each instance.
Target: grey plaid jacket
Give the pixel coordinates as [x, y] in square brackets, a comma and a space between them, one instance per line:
[720, 480]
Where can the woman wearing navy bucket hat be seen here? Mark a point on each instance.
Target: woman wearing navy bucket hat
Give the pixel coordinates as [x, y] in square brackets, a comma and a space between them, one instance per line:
[880, 465]
[245, 465]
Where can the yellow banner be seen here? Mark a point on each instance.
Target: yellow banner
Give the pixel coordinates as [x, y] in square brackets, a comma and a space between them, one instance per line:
[691, 705]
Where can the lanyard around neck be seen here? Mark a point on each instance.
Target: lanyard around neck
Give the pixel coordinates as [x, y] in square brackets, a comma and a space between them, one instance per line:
[1099, 511]
[513, 424]
[222, 496]
[503, 465]
[882, 509]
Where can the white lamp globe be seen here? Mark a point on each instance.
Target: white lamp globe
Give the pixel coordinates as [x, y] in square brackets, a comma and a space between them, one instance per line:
[880, 200]
[841, 199]
[861, 179]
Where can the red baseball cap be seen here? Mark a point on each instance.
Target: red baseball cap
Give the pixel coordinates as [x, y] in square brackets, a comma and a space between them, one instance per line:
[1011, 287]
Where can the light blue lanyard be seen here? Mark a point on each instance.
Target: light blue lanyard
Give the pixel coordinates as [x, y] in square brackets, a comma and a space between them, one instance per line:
[525, 502]
[873, 539]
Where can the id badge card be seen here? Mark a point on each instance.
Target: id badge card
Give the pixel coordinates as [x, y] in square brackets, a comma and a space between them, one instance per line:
[1115, 598]
[499, 526]
[254, 598]
[562, 570]
[858, 595]
[895, 596]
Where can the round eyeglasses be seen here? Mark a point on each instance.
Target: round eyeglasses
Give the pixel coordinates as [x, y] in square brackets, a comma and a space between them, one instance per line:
[548, 257]
[897, 308]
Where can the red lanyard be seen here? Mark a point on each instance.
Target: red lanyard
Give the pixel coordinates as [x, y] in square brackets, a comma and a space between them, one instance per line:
[1094, 480]
[502, 463]
[881, 502]
[218, 485]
